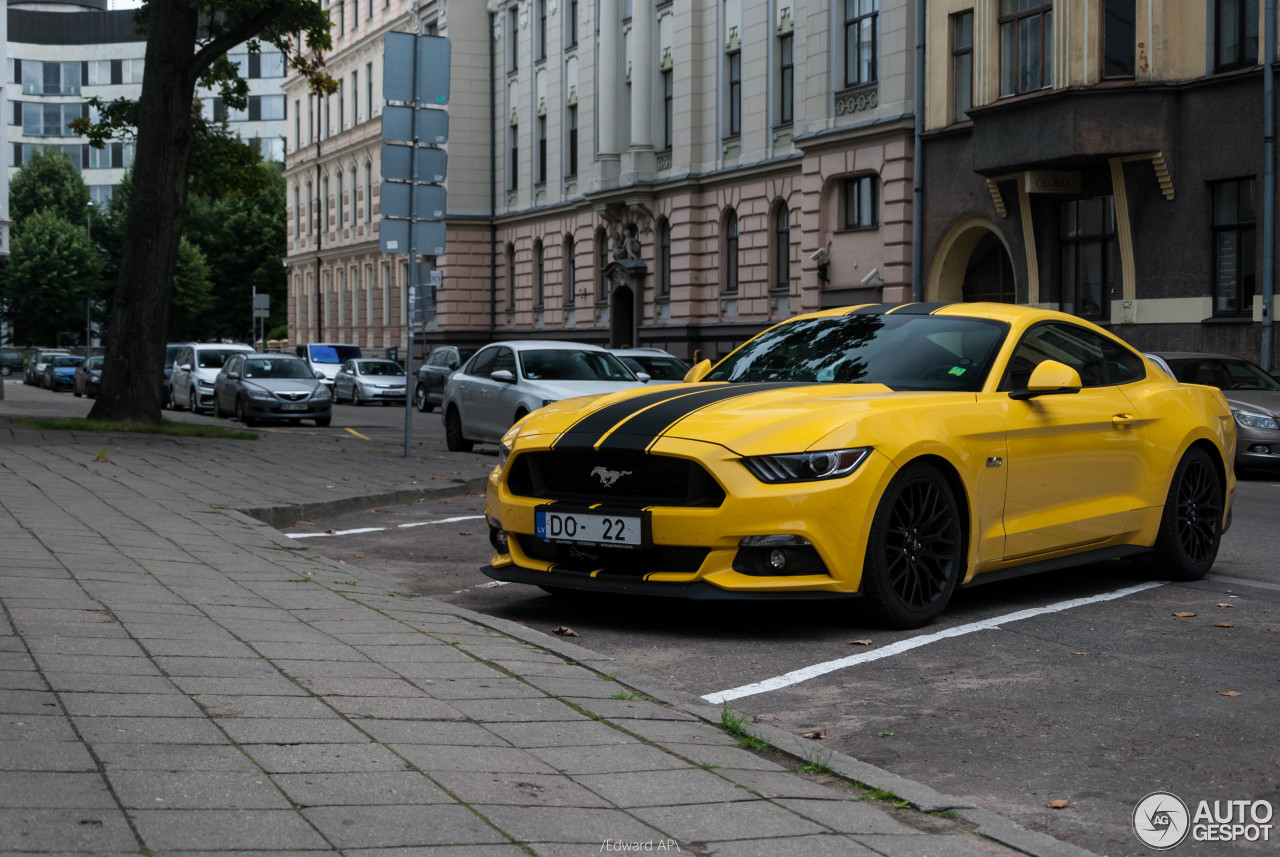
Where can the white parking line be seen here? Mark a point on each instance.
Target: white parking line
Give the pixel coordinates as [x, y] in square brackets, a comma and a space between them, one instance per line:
[381, 529]
[797, 676]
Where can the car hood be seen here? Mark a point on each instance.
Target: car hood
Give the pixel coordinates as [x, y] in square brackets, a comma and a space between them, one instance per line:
[748, 419]
[284, 385]
[1258, 400]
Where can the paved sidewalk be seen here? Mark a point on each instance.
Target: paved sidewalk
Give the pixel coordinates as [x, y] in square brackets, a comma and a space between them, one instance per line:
[177, 677]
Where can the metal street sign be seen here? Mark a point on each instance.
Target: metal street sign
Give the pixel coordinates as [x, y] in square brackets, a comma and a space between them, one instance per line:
[261, 313]
[432, 83]
[407, 123]
[428, 236]
[428, 200]
[399, 164]
[261, 301]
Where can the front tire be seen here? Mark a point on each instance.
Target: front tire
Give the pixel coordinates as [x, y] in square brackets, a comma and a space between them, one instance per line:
[916, 550]
[453, 437]
[1191, 526]
[243, 415]
[193, 402]
[420, 400]
[323, 422]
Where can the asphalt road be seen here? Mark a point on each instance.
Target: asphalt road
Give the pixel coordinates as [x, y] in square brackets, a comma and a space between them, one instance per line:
[1100, 698]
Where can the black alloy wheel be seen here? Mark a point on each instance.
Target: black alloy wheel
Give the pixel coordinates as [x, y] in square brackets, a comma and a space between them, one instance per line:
[1191, 526]
[453, 436]
[915, 550]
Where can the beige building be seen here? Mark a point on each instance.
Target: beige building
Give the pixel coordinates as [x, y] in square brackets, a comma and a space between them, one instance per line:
[679, 174]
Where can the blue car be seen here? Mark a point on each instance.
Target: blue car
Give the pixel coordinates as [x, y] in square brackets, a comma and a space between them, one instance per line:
[60, 372]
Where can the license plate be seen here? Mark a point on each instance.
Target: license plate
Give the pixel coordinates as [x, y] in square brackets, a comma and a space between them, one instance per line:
[594, 528]
[293, 406]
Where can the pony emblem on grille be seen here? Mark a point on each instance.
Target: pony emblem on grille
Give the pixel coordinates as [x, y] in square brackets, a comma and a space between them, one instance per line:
[608, 477]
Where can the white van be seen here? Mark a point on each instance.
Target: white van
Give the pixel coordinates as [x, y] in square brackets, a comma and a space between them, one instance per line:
[328, 357]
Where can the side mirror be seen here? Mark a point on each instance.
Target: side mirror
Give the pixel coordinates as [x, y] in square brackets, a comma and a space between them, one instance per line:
[233, 375]
[319, 375]
[503, 375]
[643, 377]
[1050, 378]
[698, 372]
[185, 367]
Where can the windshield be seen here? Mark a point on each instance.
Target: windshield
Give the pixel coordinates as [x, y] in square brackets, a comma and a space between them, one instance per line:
[213, 359]
[67, 361]
[276, 368]
[95, 362]
[379, 367]
[333, 353]
[170, 354]
[1223, 374]
[903, 352]
[563, 364]
[659, 368]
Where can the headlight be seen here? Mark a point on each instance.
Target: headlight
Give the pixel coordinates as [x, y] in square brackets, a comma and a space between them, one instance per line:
[546, 402]
[260, 394]
[505, 445]
[1255, 420]
[805, 466]
[203, 383]
[321, 392]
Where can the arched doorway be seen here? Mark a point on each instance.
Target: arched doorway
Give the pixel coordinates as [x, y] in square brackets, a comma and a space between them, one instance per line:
[972, 263]
[622, 317]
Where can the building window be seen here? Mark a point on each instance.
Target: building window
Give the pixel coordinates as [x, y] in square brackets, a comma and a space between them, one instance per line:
[1090, 257]
[664, 257]
[602, 258]
[338, 201]
[1234, 223]
[297, 212]
[570, 271]
[860, 22]
[733, 95]
[342, 108]
[513, 28]
[324, 194]
[731, 252]
[542, 150]
[540, 37]
[355, 97]
[368, 87]
[513, 165]
[571, 169]
[861, 202]
[1118, 38]
[961, 65]
[368, 192]
[540, 281]
[1237, 30]
[511, 276]
[782, 249]
[1026, 46]
[297, 123]
[310, 202]
[667, 108]
[342, 17]
[571, 24]
[55, 78]
[786, 80]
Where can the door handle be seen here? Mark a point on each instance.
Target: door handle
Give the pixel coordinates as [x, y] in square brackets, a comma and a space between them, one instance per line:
[1122, 421]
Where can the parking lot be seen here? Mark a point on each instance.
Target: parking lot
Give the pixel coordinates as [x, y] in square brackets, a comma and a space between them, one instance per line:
[1081, 686]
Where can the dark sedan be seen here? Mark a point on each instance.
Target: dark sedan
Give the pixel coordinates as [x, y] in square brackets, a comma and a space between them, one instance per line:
[277, 387]
[60, 372]
[440, 364]
[87, 378]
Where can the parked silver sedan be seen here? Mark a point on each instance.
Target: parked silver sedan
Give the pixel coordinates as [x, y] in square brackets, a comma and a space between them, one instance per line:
[363, 381]
[260, 387]
[504, 381]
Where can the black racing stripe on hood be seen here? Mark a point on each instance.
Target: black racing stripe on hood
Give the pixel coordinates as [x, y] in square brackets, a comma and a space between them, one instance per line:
[639, 432]
[872, 309]
[585, 432]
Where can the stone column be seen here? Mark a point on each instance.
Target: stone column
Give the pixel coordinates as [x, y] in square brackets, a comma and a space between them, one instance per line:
[640, 164]
[608, 94]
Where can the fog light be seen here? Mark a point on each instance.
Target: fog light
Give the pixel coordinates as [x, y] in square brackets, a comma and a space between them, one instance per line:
[778, 559]
[1260, 449]
[498, 539]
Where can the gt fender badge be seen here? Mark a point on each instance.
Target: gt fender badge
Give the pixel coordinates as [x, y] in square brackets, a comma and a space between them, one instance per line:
[608, 477]
[995, 461]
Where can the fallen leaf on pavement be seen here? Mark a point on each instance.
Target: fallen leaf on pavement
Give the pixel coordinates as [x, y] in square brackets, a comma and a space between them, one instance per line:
[330, 532]
[331, 486]
[859, 642]
[815, 736]
[1226, 605]
[1082, 653]
[1223, 625]
[344, 449]
[1057, 804]
[359, 556]
[346, 479]
[464, 533]
[1229, 693]
[1184, 614]
[566, 631]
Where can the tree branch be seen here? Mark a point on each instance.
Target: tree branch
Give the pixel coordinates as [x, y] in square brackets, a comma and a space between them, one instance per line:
[241, 32]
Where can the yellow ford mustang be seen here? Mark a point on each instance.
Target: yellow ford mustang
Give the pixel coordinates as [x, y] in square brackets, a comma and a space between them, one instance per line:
[887, 452]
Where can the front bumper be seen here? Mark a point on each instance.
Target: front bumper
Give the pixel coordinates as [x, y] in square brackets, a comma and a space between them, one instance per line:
[386, 394]
[696, 550]
[1258, 448]
[262, 409]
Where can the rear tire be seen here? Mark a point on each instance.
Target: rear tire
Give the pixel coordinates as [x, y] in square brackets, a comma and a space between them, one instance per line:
[193, 402]
[916, 550]
[453, 437]
[1191, 526]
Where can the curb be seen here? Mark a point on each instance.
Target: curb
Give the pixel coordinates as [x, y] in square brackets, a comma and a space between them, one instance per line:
[288, 514]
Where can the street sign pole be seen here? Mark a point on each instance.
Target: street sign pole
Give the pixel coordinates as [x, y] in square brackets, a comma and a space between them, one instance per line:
[413, 269]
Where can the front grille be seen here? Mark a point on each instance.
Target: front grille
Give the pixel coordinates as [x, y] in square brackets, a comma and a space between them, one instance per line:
[293, 397]
[645, 480]
[637, 562]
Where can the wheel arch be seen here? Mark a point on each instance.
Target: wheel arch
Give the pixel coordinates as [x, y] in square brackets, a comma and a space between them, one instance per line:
[957, 485]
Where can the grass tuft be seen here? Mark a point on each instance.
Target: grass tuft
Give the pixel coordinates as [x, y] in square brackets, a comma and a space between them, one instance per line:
[167, 427]
[735, 725]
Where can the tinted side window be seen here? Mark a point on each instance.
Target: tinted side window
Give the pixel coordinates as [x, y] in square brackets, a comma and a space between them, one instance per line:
[1100, 361]
[483, 364]
[505, 360]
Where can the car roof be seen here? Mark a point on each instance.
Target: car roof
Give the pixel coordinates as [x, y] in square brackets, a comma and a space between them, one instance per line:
[642, 352]
[547, 344]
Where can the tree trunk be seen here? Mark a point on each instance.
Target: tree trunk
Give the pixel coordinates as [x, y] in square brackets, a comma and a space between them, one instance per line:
[134, 364]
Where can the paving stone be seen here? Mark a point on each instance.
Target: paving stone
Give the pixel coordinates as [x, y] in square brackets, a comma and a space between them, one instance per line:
[276, 685]
[94, 683]
[436, 758]
[42, 789]
[517, 789]
[430, 732]
[28, 702]
[417, 652]
[130, 705]
[560, 734]
[421, 671]
[66, 830]
[199, 649]
[569, 824]
[248, 666]
[172, 757]
[225, 829]
[333, 669]
[263, 730]
[263, 706]
[722, 757]
[848, 816]
[828, 845]
[681, 732]
[664, 788]
[313, 652]
[396, 708]
[531, 710]
[773, 784]
[81, 646]
[488, 688]
[713, 822]
[934, 846]
[196, 790]
[401, 826]
[149, 730]
[20, 680]
[487, 850]
[45, 756]
[329, 758]
[372, 687]
[616, 759]
[36, 727]
[627, 709]
[350, 789]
